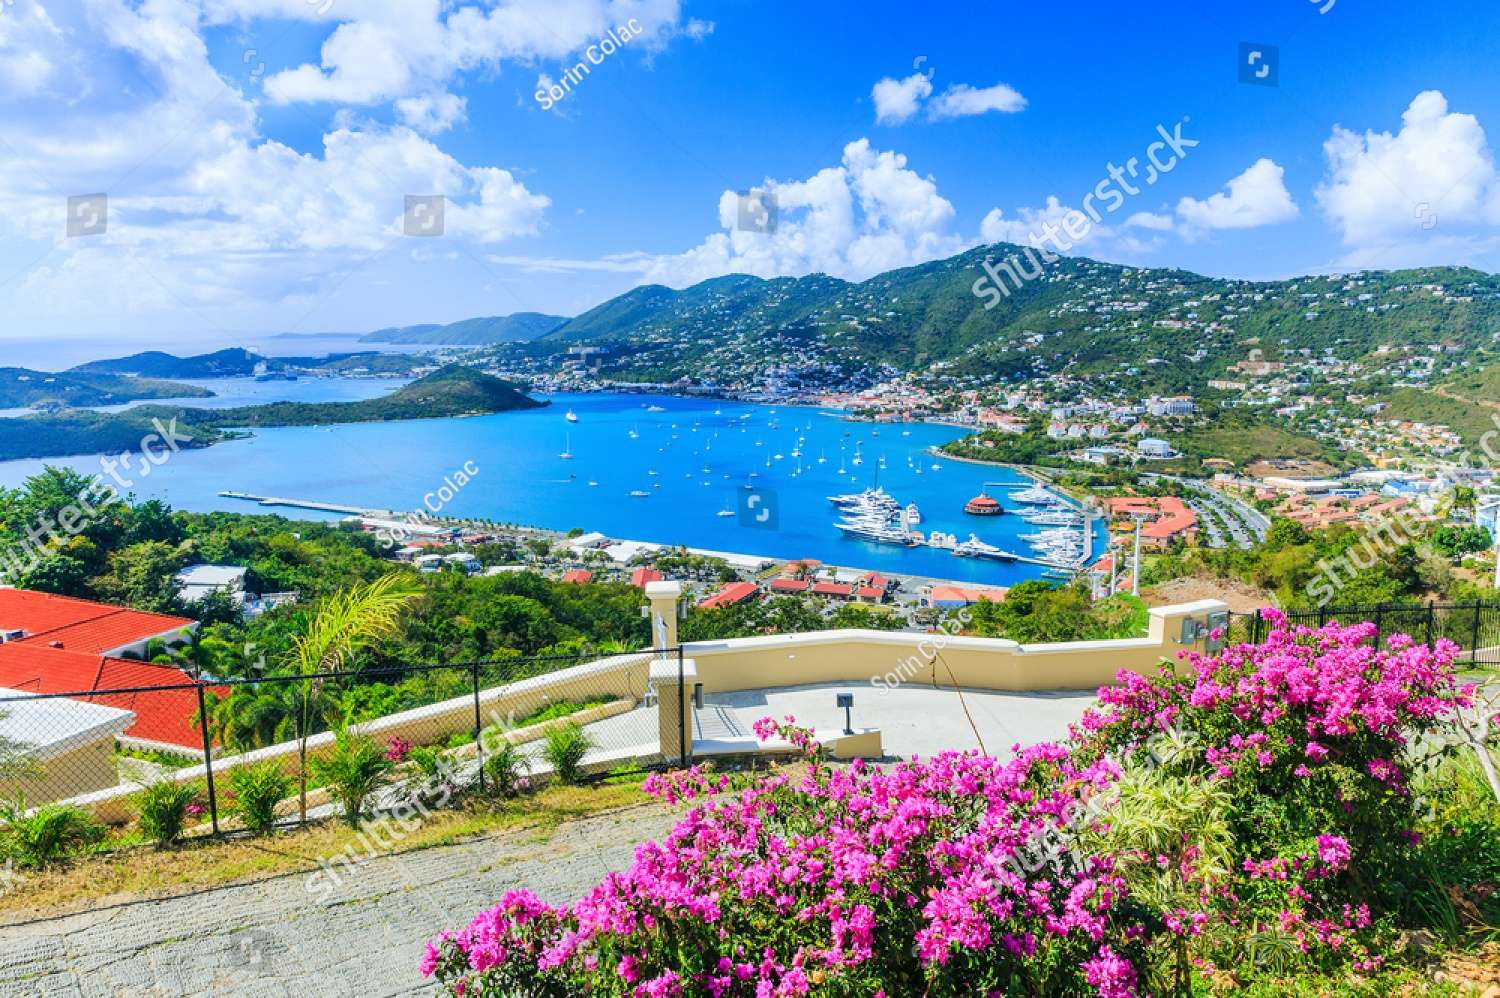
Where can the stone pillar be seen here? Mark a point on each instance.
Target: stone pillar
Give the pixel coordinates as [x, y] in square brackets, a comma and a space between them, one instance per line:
[674, 705]
[664, 597]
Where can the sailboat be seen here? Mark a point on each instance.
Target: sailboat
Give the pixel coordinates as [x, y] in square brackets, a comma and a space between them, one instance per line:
[858, 460]
[634, 434]
[571, 417]
[821, 458]
[567, 453]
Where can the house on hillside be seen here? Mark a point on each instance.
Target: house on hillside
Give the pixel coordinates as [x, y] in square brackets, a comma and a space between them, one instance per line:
[72, 743]
[83, 649]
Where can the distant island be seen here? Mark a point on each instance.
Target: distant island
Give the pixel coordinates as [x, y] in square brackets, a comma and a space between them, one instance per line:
[451, 391]
[522, 327]
[22, 387]
[237, 362]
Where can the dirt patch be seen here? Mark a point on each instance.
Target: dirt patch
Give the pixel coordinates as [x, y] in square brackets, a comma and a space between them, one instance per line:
[1241, 598]
[1291, 468]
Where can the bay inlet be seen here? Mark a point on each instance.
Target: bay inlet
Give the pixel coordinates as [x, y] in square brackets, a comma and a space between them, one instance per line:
[649, 468]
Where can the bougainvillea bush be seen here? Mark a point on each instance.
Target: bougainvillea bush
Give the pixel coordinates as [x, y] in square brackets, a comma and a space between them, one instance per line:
[1245, 808]
[1312, 736]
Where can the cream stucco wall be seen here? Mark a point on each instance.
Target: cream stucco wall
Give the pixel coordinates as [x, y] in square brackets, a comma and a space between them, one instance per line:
[759, 663]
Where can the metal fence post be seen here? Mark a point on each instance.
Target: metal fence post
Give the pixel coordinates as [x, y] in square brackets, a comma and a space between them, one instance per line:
[682, 709]
[208, 759]
[1379, 613]
[1474, 637]
[1429, 621]
[478, 725]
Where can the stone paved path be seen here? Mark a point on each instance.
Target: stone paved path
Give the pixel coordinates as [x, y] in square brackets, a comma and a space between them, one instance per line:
[281, 938]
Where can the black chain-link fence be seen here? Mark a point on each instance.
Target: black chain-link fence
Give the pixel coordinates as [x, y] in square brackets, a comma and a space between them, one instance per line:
[575, 716]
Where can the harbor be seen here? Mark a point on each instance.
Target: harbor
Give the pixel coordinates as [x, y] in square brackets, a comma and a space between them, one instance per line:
[666, 469]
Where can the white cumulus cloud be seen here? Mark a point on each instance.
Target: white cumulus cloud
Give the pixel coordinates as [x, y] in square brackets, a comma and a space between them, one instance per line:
[869, 214]
[1416, 196]
[382, 50]
[1254, 198]
[963, 101]
[897, 101]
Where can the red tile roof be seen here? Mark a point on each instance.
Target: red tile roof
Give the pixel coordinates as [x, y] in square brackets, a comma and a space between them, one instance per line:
[580, 575]
[832, 589]
[80, 625]
[735, 592]
[641, 576]
[789, 585]
[871, 592]
[165, 716]
[962, 594]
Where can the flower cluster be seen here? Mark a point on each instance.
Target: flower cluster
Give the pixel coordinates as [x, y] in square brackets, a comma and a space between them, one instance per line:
[397, 749]
[965, 875]
[861, 879]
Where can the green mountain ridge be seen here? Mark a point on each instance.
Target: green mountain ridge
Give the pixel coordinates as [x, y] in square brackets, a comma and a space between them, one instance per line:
[1165, 329]
[482, 331]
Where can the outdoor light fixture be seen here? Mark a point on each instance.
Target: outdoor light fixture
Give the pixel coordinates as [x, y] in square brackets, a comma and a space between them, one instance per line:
[698, 695]
[846, 701]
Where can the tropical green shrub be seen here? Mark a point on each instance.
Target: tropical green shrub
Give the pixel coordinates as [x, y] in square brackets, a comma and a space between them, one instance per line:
[48, 835]
[163, 809]
[506, 771]
[257, 788]
[564, 747]
[352, 772]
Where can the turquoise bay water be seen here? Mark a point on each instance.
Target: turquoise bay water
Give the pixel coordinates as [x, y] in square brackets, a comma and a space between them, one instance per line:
[522, 478]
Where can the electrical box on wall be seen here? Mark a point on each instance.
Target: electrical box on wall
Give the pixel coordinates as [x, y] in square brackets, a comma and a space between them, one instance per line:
[1218, 623]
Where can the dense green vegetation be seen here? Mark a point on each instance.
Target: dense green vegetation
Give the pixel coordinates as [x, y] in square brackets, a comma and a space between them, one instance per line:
[1099, 320]
[1042, 611]
[20, 387]
[1349, 566]
[451, 391]
[234, 362]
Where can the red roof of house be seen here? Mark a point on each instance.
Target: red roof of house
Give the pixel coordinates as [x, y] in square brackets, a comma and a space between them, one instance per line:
[735, 592]
[875, 579]
[580, 575]
[165, 716]
[833, 589]
[963, 594]
[871, 592]
[80, 625]
[789, 585]
[641, 576]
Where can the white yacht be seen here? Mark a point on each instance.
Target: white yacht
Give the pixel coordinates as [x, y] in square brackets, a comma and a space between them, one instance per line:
[1033, 496]
[976, 548]
[571, 417]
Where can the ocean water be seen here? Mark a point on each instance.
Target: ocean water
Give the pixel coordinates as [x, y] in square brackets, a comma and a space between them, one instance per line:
[703, 453]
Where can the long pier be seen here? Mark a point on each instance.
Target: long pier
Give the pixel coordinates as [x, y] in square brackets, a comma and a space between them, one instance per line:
[324, 507]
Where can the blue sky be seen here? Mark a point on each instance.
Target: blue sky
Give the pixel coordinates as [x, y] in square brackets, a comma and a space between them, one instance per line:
[256, 153]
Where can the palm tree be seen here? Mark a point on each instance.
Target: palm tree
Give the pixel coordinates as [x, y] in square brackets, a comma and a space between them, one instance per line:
[342, 625]
[252, 717]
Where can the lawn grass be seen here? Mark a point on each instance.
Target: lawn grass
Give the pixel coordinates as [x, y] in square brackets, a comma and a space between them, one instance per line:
[134, 872]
